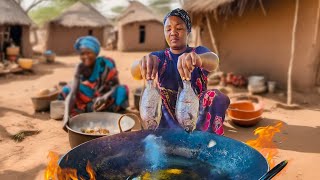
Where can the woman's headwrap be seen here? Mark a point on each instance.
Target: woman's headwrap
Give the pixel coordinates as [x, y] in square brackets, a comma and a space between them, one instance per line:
[88, 42]
[181, 14]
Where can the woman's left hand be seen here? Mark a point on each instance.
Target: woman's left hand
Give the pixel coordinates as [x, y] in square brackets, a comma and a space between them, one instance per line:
[186, 64]
[99, 104]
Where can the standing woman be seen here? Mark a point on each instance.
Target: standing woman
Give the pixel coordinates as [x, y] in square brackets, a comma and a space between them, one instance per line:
[181, 62]
[95, 86]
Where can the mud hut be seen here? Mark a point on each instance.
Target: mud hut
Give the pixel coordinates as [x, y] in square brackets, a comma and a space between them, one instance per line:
[254, 37]
[80, 19]
[14, 25]
[139, 29]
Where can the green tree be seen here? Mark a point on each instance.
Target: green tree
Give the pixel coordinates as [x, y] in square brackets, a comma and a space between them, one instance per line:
[117, 9]
[42, 14]
[161, 6]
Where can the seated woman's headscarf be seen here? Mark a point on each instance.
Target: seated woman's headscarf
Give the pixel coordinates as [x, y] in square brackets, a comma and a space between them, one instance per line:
[88, 42]
[181, 14]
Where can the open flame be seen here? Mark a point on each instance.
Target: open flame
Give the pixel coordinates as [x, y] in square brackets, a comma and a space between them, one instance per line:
[264, 143]
[54, 172]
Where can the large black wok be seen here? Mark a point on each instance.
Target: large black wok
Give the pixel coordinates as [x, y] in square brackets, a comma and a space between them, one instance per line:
[123, 155]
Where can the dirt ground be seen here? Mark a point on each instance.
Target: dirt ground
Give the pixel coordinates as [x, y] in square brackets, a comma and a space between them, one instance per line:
[297, 142]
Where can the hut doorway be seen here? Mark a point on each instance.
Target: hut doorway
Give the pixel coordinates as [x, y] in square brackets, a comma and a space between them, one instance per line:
[142, 34]
[9, 35]
[90, 32]
[16, 35]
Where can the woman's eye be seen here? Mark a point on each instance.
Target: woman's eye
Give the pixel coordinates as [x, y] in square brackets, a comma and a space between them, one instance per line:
[168, 29]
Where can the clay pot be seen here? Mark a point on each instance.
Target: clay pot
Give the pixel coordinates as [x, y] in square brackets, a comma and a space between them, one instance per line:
[245, 112]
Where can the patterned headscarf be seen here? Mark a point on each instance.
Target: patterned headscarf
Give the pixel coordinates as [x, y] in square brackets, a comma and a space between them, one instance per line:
[181, 14]
[88, 42]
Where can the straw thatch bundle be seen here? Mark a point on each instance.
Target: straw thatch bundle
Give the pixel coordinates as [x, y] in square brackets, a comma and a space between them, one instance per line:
[11, 13]
[81, 15]
[223, 8]
[137, 12]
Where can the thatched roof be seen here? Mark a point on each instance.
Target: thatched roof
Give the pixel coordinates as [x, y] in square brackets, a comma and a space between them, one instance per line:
[11, 13]
[137, 12]
[220, 7]
[81, 15]
[200, 6]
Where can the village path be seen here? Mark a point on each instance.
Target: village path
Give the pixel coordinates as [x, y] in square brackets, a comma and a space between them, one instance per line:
[298, 141]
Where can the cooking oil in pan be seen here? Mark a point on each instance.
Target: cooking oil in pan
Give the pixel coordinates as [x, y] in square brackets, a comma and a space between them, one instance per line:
[182, 168]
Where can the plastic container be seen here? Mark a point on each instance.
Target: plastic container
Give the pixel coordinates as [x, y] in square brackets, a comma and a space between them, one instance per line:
[271, 86]
[57, 110]
[256, 81]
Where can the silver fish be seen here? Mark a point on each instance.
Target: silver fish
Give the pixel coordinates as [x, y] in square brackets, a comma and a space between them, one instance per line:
[187, 107]
[150, 105]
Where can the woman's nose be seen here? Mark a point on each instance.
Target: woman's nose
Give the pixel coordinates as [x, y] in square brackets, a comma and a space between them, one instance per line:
[174, 32]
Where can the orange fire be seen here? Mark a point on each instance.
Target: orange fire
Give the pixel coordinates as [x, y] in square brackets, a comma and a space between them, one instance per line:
[90, 171]
[54, 172]
[264, 143]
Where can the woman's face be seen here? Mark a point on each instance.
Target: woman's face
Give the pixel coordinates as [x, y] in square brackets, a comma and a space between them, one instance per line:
[176, 33]
[87, 57]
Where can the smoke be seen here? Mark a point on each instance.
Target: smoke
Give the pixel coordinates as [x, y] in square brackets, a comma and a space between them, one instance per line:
[155, 152]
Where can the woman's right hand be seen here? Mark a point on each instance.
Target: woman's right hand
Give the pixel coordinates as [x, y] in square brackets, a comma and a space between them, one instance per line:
[149, 67]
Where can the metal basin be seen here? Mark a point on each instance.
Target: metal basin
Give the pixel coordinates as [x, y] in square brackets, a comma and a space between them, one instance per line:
[114, 122]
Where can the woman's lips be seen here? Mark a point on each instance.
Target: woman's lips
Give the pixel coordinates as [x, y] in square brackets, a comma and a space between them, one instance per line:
[174, 40]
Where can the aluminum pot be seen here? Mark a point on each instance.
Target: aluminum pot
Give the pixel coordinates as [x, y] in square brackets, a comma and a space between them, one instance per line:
[114, 122]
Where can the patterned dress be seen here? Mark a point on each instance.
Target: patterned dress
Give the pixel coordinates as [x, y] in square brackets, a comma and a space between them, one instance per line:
[213, 103]
[103, 77]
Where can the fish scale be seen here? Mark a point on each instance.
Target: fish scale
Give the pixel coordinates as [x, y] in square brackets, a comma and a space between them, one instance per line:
[187, 107]
[150, 106]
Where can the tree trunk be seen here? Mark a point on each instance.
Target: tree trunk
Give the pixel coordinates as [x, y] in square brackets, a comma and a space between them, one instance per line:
[293, 40]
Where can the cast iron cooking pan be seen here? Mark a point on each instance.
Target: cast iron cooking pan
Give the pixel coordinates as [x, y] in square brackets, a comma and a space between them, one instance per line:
[123, 155]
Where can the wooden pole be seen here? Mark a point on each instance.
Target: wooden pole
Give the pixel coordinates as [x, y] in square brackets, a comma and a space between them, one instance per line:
[211, 35]
[262, 8]
[293, 40]
[197, 38]
[315, 37]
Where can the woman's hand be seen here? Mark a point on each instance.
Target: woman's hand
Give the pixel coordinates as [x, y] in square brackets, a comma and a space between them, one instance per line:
[99, 104]
[186, 64]
[149, 67]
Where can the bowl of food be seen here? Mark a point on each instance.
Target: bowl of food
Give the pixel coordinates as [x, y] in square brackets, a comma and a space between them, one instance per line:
[87, 126]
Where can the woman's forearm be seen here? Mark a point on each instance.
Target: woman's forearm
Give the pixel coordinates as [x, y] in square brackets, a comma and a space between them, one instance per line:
[210, 61]
[70, 100]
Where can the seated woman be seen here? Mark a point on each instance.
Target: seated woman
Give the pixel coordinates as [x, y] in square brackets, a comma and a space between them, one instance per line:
[181, 62]
[95, 86]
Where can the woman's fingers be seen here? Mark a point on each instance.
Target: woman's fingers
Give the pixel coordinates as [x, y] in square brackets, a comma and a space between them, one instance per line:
[196, 60]
[143, 65]
[155, 67]
[179, 66]
[188, 61]
[149, 66]
[187, 73]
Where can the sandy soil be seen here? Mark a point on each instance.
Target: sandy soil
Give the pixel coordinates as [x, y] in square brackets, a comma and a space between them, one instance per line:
[298, 141]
